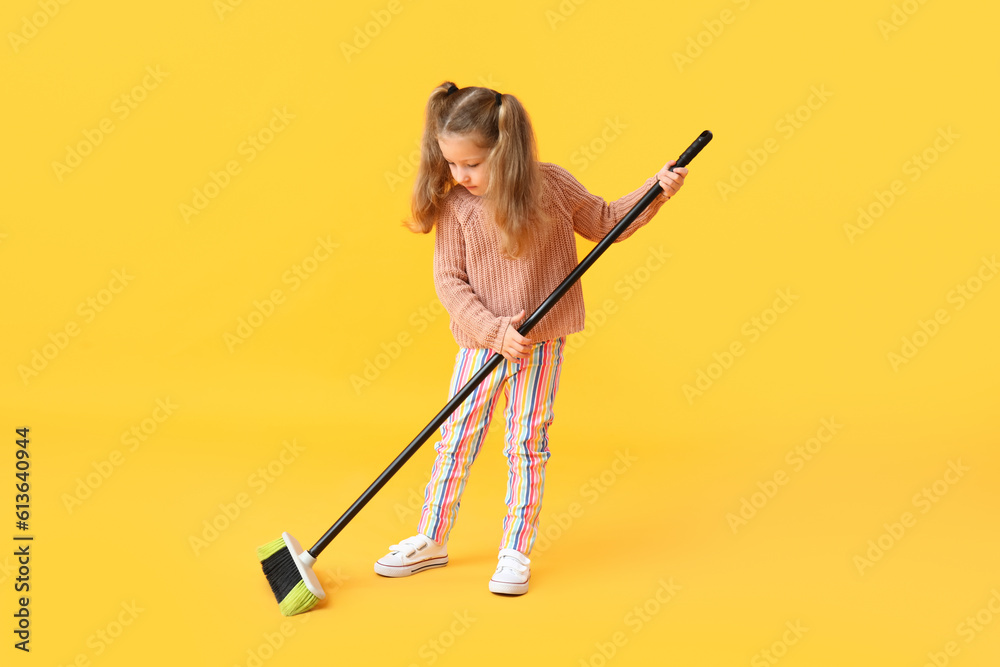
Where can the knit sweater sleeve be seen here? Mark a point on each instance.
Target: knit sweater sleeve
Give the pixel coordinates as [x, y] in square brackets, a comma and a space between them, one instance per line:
[593, 217]
[451, 281]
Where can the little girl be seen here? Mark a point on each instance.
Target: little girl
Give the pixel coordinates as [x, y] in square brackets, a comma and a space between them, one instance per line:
[504, 241]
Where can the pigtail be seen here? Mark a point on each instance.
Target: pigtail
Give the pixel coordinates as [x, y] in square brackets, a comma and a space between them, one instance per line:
[515, 180]
[433, 180]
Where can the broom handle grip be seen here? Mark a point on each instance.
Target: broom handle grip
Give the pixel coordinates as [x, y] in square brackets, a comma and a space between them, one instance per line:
[495, 359]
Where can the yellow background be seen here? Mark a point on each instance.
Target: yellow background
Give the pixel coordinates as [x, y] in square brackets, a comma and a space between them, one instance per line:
[594, 75]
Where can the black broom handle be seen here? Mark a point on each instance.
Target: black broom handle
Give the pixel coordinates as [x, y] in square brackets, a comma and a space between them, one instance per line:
[494, 360]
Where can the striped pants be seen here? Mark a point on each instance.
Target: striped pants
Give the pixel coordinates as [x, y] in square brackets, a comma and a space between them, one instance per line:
[529, 389]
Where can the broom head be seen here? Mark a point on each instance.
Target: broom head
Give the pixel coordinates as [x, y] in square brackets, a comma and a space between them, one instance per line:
[288, 569]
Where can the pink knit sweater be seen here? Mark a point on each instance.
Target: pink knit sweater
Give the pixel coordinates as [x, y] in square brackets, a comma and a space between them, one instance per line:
[482, 290]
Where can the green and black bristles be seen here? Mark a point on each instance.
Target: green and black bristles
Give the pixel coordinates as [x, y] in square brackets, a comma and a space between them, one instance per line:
[285, 576]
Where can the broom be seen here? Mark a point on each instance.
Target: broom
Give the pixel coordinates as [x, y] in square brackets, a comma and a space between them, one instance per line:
[288, 567]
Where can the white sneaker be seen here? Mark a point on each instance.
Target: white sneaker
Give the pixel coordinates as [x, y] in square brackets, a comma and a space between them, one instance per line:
[513, 573]
[412, 555]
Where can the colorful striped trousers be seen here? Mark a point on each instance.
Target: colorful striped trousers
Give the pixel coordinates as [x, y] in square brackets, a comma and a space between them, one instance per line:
[529, 389]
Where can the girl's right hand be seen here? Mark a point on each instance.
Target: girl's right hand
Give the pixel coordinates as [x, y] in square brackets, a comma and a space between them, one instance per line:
[515, 345]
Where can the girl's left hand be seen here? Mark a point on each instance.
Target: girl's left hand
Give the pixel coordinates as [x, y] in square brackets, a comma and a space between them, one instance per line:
[671, 181]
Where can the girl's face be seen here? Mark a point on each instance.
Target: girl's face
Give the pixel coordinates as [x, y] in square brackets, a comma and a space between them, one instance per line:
[467, 162]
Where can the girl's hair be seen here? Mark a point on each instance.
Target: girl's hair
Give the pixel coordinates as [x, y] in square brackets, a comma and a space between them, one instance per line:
[514, 190]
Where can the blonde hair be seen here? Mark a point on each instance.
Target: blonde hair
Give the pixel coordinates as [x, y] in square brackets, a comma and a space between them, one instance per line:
[514, 187]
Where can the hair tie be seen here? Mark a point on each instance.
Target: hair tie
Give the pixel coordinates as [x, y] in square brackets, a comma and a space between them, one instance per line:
[498, 98]
[451, 88]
